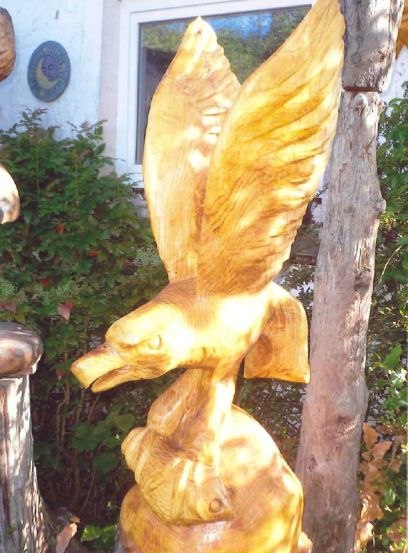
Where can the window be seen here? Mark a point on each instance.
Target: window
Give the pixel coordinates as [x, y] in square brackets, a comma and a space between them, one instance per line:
[150, 38]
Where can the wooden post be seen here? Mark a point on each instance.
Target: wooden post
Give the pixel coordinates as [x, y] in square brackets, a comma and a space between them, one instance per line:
[336, 398]
[22, 519]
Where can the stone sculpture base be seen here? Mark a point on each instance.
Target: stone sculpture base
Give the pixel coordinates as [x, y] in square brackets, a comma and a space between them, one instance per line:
[266, 495]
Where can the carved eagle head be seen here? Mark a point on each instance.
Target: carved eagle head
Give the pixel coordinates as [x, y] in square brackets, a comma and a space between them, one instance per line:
[146, 343]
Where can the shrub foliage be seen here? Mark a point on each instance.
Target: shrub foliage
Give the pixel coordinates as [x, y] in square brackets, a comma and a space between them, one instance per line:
[78, 257]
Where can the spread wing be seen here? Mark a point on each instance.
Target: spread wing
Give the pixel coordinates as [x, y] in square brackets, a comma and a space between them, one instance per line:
[270, 157]
[402, 39]
[186, 115]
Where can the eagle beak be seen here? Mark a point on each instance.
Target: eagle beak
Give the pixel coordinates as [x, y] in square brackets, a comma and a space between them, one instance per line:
[95, 364]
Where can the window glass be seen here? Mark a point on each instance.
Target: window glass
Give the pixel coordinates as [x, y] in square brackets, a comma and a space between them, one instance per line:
[248, 39]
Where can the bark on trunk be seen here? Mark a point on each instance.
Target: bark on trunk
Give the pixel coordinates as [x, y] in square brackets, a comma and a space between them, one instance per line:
[336, 398]
[22, 519]
[371, 32]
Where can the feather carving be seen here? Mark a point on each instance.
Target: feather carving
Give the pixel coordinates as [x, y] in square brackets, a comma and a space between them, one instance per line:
[270, 157]
[229, 171]
[186, 116]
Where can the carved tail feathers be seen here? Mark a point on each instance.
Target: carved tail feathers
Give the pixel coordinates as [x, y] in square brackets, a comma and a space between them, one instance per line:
[281, 351]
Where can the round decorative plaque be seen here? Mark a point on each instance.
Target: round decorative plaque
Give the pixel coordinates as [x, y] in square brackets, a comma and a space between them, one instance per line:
[48, 71]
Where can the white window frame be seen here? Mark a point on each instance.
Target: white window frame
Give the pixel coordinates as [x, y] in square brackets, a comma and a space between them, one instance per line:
[135, 12]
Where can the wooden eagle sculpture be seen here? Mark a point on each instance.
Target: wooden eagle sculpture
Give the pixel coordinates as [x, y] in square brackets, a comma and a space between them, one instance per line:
[228, 172]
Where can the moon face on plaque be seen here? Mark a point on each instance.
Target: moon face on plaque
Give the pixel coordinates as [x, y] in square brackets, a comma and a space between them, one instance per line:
[48, 71]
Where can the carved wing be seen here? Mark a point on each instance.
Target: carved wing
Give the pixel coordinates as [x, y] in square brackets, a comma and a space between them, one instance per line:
[270, 157]
[402, 38]
[187, 111]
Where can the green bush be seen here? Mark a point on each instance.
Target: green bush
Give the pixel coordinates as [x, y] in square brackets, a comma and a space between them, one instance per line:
[78, 257]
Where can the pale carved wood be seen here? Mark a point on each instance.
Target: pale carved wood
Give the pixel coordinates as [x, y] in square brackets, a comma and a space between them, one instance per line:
[20, 349]
[270, 156]
[402, 38]
[23, 519]
[9, 200]
[236, 168]
[254, 470]
[185, 118]
[7, 44]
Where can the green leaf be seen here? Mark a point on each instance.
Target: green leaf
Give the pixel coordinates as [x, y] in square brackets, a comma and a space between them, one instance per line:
[111, 441]
[399, 276]
[125, 422]
[104, 537]
[389, 497]
[105, 462]
[403, 240]
[393, 358]
[91, 533]
[86, 437]
[405, 261]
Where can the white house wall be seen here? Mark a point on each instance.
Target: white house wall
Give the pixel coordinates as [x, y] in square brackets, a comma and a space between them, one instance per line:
[399, 76]
[101, 41]
[77, 25]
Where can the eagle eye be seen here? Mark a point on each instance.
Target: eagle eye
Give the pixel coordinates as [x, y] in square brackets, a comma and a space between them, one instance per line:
[154, 343]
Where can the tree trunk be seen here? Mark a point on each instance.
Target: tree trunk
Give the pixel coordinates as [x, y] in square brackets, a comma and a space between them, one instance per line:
[336, 399]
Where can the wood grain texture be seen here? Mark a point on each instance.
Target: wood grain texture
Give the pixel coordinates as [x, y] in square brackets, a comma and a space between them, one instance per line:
[336, 398]
[186, 116]
[402, 39]
[179, 328]
[20, 349]
[265, 494]
[209, 478]
[9, 200]
[7, 44]
[270, 157]
[22, 513]
[185, 427]
[281, 350]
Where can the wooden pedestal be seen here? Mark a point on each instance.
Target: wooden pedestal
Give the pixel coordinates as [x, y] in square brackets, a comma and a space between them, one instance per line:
[22, 525]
